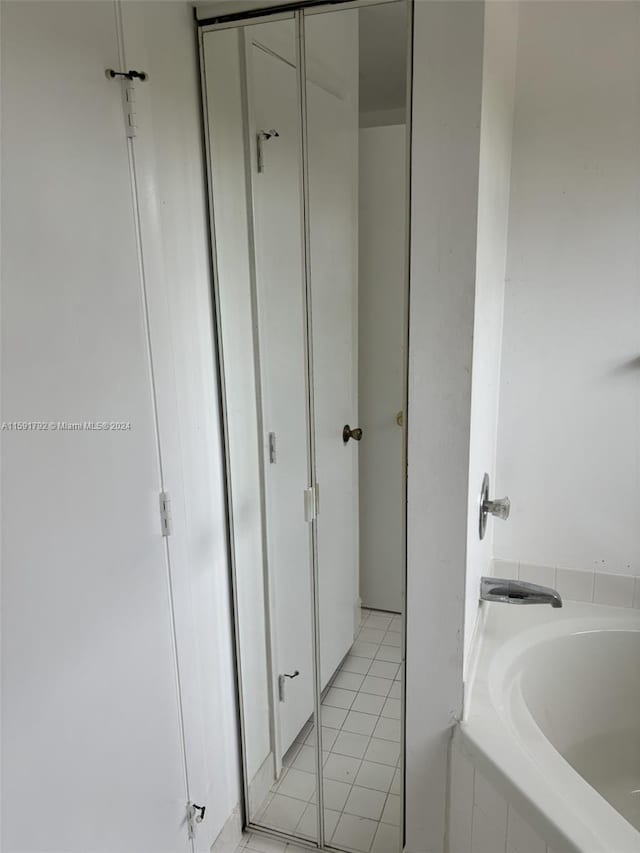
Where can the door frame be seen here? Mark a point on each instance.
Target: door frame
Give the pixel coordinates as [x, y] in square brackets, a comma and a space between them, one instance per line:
[261, 12]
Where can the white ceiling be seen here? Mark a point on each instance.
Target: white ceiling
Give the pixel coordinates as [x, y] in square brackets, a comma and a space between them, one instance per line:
[383, 57]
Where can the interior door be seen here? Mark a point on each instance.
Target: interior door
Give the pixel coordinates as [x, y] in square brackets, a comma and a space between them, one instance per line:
[92, 755]
[274, 135]
[332, 139]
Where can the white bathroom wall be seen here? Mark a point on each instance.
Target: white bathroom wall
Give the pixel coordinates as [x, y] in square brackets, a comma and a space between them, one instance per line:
[447, 88]
[568, 450]
[381, 359]
[496, 128]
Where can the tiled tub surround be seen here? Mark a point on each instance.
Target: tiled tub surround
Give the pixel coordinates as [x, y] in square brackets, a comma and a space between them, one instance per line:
[597, 587]
[480, 819]
[546, 757]
[361, 728]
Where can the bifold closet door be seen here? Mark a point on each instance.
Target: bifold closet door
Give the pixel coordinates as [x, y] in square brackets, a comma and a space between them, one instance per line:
[274, 128]
[92, 757]
[254, 135]
[331, 46]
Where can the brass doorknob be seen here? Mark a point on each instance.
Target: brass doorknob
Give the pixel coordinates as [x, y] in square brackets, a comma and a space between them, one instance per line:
[347, 433]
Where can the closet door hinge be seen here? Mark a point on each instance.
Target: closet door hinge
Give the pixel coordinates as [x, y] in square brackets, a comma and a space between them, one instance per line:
[129, 106]
[130, 117]
[127, 79]
[166, 523]
[311, 503]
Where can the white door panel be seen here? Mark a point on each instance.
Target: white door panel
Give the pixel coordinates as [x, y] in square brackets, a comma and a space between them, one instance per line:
[280, 296]
[91, 741]
[333, 218]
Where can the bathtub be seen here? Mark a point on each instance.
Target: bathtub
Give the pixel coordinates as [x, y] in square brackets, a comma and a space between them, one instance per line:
[553, 721]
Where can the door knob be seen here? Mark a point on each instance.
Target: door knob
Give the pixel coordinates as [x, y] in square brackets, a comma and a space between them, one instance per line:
[499, 508]
[347, 433]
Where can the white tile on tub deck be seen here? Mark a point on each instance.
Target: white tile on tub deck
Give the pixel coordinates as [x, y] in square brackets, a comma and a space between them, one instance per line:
[504, 568]
[462, 779]
[543, 575]
[521, 837]
[460, 831]
[574, 584]
[488, 836]
[616, 590]
[489, 801]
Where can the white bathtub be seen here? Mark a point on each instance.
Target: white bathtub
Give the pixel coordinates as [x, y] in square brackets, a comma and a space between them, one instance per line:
[553, 721]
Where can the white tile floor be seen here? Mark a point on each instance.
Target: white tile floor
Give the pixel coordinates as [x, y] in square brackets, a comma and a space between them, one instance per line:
[361, 749]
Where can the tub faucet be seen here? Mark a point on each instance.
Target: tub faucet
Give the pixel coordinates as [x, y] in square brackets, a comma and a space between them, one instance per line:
[517, 592]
